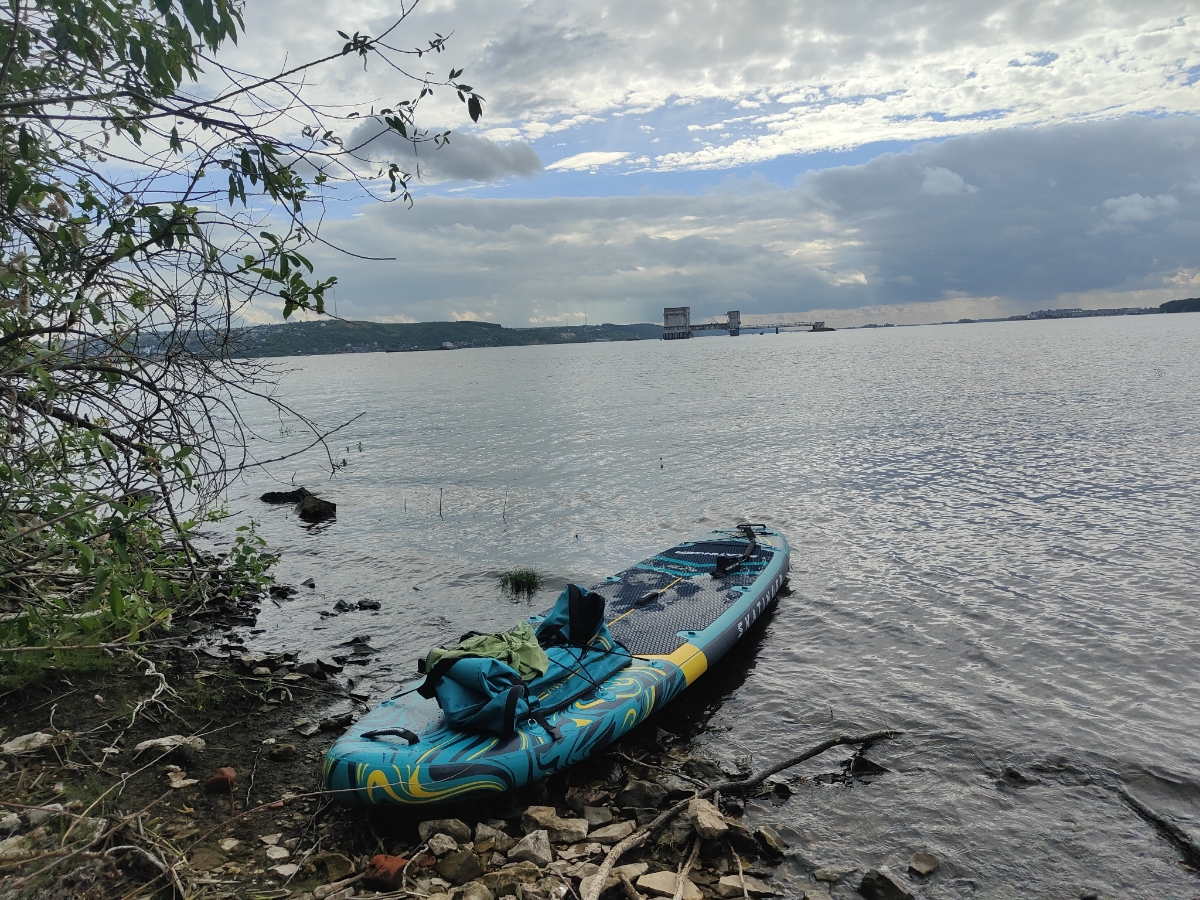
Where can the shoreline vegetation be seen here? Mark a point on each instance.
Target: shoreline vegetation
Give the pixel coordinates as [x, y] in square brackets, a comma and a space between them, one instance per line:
[320, 338]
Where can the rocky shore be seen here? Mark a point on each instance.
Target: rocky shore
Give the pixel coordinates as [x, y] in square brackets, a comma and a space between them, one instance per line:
[210, 789]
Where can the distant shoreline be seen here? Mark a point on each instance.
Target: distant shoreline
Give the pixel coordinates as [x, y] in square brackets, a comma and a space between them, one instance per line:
[335, 336]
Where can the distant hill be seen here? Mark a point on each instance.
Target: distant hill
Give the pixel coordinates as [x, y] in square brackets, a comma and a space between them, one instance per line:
[1192, 304]
[340, 336]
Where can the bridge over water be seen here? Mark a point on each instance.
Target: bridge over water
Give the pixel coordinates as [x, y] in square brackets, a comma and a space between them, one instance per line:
[677, 324]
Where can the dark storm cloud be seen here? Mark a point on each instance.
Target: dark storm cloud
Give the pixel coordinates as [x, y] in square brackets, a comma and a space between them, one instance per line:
[464, 157]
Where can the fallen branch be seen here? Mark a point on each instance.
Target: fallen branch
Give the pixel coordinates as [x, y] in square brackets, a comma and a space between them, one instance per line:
[1176, 835]
[640, 836]
[686, 867]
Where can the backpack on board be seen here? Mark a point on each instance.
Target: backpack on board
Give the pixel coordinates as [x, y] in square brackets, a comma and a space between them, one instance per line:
[491, 683]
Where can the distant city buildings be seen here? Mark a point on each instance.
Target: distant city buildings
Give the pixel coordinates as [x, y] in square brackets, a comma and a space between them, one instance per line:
[1076, 313]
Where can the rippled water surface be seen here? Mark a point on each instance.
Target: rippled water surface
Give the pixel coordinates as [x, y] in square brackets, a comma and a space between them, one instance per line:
[994, 532]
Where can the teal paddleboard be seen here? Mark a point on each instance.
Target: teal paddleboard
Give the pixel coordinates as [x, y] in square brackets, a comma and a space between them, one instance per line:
[676, 613]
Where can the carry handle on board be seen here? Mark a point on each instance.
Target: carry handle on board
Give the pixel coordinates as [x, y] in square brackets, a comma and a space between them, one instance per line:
[726, 564]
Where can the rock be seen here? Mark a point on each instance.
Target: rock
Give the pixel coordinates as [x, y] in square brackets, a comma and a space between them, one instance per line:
[177, 778]
[441, 844]
[284, 496]
[734, 807]
[41, 814]
[545, 889]
[560, 830]
[663, 884]
[677, 834]
[497, 860]
[731, 886]
[375, 604]
[287, 870]
[832, 876]
[261, 672]
[183, 748]
[384, 873]
[27, 743]
[596, 816]
[741, 838]
[880, 884]
[923, 864]
[337, 723]
[642, 795]
[459, 867]
[10, 822]
[677, 788]
[612, 834]
[305, 727]
[314, 509]
[312, 669]
[282, 752]
[221, 781]
[534, 848]
[771, 841]
[473, 890]
[227, 844]
[589, 848]
[507, 880]
[632, 871]
[501, 840]
[456, 828]
[342, 606]
[707, 820]
[282, 591]
[595, 794]
[329, 665]
[583, 870]
[19, 846]
[270, 839]
[278, 853]
[205, 859]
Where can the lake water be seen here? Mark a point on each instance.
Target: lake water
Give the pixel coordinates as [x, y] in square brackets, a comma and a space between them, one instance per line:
[994, 549]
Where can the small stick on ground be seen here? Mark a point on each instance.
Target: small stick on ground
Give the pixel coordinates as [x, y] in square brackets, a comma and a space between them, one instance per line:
[686, 867]
[631, 892]
[640, 836]
[741, 875]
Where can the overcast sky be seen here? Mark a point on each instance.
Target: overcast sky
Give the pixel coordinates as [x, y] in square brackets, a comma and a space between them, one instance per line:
[870, 161]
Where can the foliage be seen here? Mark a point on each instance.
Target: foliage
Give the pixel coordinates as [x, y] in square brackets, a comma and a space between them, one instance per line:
[520, 582]
[141, 208]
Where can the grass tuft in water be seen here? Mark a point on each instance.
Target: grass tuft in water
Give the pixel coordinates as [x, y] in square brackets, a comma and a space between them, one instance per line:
[520, 582]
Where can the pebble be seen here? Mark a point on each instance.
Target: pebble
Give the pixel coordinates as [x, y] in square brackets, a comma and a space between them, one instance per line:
[534, 848]
[10, 822]
[459, 867]
[664, 884]
[612, 834]
[441, 844]
[880, 884]
[560, 830]
[642, 795]
[43, 814]
[707, 820]
[596, 816]
[456, 828]
[923, 864]
[731, 886]
[771, 840]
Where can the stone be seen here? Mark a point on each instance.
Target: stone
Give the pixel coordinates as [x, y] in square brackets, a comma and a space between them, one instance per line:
[677, 834]
[314, 509]
[560, 830]
[10, 822]
[741, 838]
[511, 877]
[831, 876]
[499, 838]
[284, 496]
[305, 727]
[384, 873]
[923, 864]
[270, 839]
[27, 743]
[663, 884]
[282, 752]
[312, 669]
[375, 604]
[176, 745]
[221, 781]
[641, 795]
[632, 871]
[329, 665]
[707, 820]
[459, 867]
[228, 843]
[497, 860]
[261, 672]
[545, 889]
[677, 788]
[456, 828]
[287, 870]
[441, 844]
[278, 852]
[771, 840]
[612, 834]
[204, 859]
[594, 795]
[473, 890]
[880, 884]
[731, 886]
[584, 848]
[534, 848]
[596, 816]
[583, 870]
[41, 814]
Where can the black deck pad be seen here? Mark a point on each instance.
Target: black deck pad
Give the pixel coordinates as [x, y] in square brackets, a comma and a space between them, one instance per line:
[650, 626]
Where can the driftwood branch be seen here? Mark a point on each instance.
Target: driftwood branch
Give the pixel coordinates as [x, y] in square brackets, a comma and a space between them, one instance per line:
[1172, 832]
[640, 836]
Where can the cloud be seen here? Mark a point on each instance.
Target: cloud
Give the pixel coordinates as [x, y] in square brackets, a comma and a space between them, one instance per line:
[943, 181]
[588, 160]
[841, 238]
[465, 157]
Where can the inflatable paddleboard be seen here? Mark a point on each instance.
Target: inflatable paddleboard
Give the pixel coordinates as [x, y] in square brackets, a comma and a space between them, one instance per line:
[676, 613]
